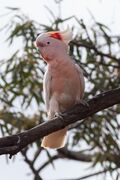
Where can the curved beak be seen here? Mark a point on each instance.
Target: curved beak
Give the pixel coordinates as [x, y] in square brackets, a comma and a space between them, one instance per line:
[38, 44]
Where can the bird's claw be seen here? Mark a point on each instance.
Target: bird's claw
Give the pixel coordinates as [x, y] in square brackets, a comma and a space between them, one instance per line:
[83, 102]
[59, 115]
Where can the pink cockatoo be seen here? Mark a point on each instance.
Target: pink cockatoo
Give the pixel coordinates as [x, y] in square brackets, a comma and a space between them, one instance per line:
[63, 83]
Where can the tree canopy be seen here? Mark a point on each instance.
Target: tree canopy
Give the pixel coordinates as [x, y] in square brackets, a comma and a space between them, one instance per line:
[97, 51]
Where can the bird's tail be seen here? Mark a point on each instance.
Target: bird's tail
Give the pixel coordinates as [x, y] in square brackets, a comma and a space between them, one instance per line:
[55, 140]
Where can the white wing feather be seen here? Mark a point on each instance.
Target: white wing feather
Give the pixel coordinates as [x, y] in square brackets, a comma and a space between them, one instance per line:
[82, 81]
[46, 88]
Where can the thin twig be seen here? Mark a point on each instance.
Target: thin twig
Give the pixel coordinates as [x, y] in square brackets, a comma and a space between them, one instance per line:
[75, 155]
[95, 174]
[37, 154]
[88, 46]
[48, 162]
[31, 165]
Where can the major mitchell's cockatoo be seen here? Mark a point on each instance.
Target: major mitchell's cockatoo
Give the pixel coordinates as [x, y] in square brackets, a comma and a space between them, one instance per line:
[63, 83]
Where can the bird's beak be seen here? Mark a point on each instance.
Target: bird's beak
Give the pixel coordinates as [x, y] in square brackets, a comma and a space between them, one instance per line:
[39, 44]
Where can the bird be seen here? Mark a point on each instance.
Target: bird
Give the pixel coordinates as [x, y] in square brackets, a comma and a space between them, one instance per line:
[63, 82]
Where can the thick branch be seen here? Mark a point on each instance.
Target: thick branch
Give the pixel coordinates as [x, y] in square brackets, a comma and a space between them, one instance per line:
[13, 144]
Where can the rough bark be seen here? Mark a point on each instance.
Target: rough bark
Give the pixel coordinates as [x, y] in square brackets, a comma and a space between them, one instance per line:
[13, 144]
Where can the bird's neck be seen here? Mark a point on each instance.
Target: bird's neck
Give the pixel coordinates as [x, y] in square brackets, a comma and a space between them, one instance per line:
[60, 61]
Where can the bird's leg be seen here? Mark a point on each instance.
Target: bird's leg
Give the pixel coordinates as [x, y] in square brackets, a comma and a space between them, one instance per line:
[54, 110]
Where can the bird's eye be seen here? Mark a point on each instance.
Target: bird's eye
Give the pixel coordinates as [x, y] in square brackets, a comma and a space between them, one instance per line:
[38, 34]
[48, 42]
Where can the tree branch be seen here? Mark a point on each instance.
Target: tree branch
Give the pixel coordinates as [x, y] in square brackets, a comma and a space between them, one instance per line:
[31, 165]
[74, 155]
[48, 162]
[95, 174]
[37, 154]
[93, 47]
[13, 144]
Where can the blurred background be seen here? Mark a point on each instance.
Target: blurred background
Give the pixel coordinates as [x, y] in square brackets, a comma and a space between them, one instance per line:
[92, 149]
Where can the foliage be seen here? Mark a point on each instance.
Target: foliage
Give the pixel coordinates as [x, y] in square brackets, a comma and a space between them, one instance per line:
[96, 50]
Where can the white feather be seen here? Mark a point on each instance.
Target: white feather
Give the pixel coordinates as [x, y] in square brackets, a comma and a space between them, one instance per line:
[46, 88]
[82, 81]
[67, 35]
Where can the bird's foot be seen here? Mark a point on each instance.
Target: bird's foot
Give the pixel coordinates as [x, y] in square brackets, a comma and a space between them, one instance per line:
[59, 115]
[83, 102]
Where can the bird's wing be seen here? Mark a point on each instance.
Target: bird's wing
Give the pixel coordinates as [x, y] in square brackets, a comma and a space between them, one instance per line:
[47, 88]
[82, 81]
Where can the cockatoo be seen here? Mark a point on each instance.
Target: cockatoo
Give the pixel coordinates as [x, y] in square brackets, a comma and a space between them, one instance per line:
[63, 83]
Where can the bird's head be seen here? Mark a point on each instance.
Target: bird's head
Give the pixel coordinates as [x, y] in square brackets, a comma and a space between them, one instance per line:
[52, 44]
